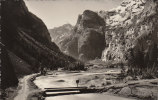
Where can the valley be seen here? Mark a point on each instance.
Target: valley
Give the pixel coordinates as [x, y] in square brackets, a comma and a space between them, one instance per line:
[113, 51]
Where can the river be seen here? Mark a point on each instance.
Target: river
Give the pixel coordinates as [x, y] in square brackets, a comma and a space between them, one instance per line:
[65, 79]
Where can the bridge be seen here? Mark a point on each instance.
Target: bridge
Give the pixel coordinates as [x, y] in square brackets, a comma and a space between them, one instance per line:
[67, 91]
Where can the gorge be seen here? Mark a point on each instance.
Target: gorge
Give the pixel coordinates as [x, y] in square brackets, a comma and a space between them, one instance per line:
[127, 34]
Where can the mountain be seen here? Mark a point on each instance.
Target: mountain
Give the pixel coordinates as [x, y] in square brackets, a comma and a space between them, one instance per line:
[126, 33]
[60, 33]
[86, 40]
[90, 32]
[27, 43]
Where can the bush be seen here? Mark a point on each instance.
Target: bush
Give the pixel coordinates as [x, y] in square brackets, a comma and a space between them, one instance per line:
[75, 66]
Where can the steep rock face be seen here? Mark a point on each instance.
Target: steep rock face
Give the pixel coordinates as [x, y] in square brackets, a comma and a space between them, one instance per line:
[134, 20]
[27, 37]
[58, 34]
[90, 45]
[72, 46]
[87, 40]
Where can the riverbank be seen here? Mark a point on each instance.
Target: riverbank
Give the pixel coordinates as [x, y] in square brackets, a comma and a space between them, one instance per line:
[141, 89]
[145, 89]
[35, 93]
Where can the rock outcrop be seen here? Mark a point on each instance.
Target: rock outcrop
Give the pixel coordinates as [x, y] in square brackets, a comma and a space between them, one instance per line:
[26, 36]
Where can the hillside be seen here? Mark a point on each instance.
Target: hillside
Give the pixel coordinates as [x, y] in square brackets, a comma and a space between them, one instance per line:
[58, 34]
[26, 40]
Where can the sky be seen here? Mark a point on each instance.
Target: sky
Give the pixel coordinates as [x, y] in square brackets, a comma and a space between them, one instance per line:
[55, 13]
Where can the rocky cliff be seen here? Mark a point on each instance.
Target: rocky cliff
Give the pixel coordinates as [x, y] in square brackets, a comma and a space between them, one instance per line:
[133, 20]
[131, 34]
[27, 39]
[86, 41]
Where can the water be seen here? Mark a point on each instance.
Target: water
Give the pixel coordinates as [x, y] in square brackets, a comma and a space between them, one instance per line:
[68, 80]
[87, 97]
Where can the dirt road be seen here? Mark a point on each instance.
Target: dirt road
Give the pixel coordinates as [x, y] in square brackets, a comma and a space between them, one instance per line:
[25, 90]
